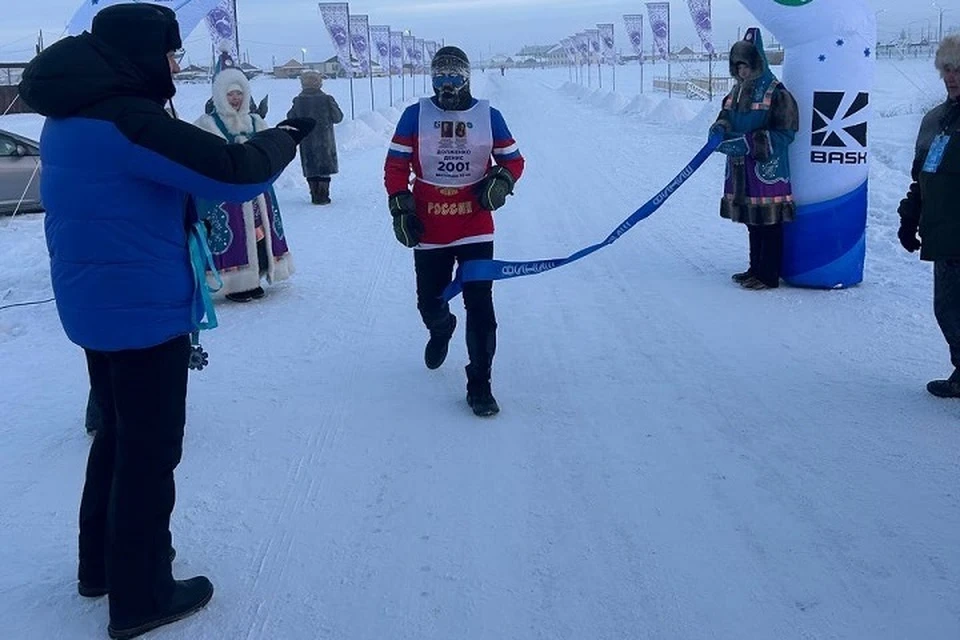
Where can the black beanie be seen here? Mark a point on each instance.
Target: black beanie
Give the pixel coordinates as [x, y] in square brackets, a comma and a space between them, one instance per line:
[144, 34]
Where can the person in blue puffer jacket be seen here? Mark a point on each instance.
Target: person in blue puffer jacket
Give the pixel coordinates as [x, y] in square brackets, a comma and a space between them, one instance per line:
[119, 177]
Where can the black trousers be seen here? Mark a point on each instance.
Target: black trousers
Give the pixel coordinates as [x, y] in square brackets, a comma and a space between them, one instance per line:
[946, 304]
[129, 491]
[766, 252]
[435, 269]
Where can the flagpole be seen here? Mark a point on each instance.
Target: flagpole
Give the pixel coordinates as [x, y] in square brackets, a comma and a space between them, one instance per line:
[669, 59]
[373, 103]
[236, 28]
[353, 108]
[390, 65]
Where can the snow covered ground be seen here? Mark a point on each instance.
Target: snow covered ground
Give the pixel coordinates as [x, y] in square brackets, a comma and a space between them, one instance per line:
[676, 458]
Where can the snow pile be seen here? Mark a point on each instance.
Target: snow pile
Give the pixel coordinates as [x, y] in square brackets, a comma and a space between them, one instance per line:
[641, 105]
[614, 102]
[673, 111]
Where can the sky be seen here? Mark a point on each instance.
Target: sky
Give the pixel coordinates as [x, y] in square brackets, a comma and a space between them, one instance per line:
[280, 29]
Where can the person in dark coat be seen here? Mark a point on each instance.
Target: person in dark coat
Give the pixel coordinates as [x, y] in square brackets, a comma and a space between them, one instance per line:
[759, 121]
[932, 208]
[119, 178]
[318, 152]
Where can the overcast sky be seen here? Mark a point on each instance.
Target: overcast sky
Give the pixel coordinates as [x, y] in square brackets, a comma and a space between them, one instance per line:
[281, 28]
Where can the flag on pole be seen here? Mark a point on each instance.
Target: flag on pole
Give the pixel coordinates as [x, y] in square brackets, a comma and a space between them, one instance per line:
[359, 41]
[190, 13]
[396, 52]
[410, 48]
[633, 22]
[336, 17]
[583, 47]
[607, 51]
[418, 54]
[222, 24]
[593, 37]
[659, 14]
[380, 45]
[432, 47]
[701, 14]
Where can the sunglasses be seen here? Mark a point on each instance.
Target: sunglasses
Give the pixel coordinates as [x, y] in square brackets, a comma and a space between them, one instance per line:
[178, 54]
[455, 80]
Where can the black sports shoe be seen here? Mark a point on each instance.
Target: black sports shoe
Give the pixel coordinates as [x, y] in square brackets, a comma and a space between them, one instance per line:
[436, 350]
[189, 596]
[742, 277]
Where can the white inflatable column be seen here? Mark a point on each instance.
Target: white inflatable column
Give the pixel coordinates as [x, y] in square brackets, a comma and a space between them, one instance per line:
[829, 69]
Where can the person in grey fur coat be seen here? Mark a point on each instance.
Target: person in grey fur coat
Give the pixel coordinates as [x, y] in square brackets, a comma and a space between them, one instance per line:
[318, 152]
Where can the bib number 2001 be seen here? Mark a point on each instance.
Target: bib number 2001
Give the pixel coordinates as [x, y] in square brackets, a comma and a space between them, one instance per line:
[458, 167]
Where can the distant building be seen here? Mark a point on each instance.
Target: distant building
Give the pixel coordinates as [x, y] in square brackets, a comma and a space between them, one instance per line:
[292, 69]
[542, 55]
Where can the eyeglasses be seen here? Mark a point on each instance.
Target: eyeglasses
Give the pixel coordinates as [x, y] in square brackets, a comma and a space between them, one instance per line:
[178, 55]
[455, 80]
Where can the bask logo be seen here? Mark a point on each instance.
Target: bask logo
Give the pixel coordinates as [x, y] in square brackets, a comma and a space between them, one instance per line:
[839, 127]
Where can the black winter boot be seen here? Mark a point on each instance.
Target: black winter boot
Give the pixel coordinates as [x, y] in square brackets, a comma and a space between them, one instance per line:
[481, 347]
[323, 192]
[949, 388]
[436, 350]
[187, 598]
[314, 190]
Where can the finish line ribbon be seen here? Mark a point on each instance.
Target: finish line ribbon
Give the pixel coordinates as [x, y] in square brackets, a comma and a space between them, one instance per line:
[482, 270]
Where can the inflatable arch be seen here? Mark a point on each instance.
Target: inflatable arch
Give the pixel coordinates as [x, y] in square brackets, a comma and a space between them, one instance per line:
[829, 69]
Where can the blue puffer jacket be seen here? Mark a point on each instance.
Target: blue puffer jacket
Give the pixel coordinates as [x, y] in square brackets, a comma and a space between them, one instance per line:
[119, 175]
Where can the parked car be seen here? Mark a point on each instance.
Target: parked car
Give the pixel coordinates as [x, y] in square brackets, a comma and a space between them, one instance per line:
[19, 174]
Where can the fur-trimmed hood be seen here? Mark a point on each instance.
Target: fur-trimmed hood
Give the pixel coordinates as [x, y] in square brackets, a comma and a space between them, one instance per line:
[750, 51]
[239, 122]
[948, 53]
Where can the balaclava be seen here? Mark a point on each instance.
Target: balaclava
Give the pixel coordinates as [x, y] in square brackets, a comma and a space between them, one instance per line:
[450, 69]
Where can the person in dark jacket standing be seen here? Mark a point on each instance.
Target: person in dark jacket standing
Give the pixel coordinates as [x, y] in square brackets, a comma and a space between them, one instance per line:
[119, 174]
[932, 208]
[318, 152]
[759, 120]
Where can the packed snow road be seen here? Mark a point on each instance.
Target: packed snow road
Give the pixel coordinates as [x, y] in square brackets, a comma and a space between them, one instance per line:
[676, 458]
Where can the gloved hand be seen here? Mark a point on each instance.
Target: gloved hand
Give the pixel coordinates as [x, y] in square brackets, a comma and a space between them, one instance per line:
[495, 187]
[406, 226]
[719, 128]
[734, 147]
[908, 235]
[298, 128]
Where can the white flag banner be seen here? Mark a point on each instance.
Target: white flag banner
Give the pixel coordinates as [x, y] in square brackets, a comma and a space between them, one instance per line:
[659, 13]
[190, 13]
[396, 52]
[633, 22]
[336, 17]
[607, 51]
[569, 49]
[702, 20]
[380, 45]
[593, 37]
[410, 48]
[432, 47]
[222, 24]
[418, 53]
[583, 47]
[360, 41]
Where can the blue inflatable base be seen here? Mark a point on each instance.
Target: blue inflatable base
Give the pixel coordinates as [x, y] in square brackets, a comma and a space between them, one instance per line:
[825, 247]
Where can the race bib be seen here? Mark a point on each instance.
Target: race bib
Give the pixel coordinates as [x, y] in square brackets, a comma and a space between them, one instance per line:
[935, 156]
[454, 146]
